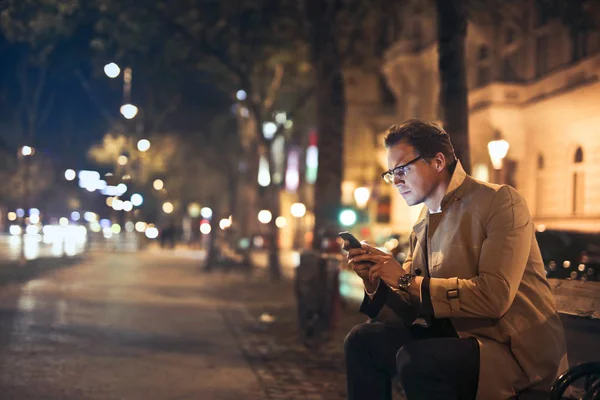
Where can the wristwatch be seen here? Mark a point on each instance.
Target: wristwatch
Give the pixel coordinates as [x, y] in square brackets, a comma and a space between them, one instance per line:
[405, 281]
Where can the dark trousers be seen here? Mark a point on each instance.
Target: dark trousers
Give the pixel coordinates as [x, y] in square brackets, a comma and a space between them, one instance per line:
[429, 365]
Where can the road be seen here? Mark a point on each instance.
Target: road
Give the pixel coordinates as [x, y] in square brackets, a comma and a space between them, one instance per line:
[150, 326]
[124, 326]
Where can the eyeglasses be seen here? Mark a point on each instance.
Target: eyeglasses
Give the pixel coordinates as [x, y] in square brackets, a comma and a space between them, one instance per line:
[398, 172]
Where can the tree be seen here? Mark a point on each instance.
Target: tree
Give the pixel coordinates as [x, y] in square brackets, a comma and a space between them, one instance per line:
[452, 33]
[244, 46]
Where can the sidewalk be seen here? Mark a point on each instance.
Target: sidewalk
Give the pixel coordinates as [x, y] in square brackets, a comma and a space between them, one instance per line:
[264, 320]
[14, 272]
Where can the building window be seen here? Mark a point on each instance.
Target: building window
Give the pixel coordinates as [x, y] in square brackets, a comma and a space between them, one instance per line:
[578, 156]
[387, 96]
[540, 15]
[541, 56]
[578, 194]
[540, 163]
[510, 63]
[483, 66]
[510, 36]
[417, 35]
[579, 41]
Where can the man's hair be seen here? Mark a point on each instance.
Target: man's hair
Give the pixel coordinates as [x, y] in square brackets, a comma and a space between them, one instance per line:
[428, 139]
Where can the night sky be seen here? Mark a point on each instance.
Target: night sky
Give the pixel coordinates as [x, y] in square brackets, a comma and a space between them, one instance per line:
[78, 117]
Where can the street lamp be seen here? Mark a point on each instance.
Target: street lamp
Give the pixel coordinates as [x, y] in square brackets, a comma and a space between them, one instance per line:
[241, 95]
[112, 70]
[158, 184]
[264, 216]
[298, 210]
[27, 151]
[70, 174]
[361, 196]
[129, 111]
[143, 145]
[168, 207]
[498, 148]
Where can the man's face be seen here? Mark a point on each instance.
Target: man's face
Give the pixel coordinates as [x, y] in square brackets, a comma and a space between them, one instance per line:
[420, 178]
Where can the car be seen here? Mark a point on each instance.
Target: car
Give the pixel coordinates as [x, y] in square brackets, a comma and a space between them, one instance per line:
[570, 254]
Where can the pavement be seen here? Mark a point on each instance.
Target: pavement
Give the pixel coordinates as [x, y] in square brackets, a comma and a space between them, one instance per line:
[152, 325]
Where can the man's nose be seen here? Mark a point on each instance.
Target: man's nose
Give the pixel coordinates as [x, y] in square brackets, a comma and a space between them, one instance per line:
[398, 180]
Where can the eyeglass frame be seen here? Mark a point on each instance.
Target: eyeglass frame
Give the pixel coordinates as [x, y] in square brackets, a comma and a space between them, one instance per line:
[400, 168]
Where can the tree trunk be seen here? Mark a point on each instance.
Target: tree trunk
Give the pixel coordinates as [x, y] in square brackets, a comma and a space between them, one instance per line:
[452, 32]
[213, 250]
[274, 253]
[331, 107]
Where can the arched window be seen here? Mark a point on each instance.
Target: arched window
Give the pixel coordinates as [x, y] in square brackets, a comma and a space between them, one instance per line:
[540, 198]
[417, 35]
[511, 64]
[578, 156]
[541, 16]
[510, 36]
[483, 66]
[578, 193]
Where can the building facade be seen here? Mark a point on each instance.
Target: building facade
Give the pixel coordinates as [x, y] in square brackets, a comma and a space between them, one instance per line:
[532, 79]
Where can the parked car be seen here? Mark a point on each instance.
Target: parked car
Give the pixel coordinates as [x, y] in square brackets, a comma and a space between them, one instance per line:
[570, 255]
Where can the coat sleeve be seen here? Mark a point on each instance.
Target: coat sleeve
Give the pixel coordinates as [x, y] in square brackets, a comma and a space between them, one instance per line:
[502, 262]
[389, 305]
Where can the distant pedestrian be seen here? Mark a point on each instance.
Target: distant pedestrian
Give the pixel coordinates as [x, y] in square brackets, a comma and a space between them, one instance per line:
[470, 313]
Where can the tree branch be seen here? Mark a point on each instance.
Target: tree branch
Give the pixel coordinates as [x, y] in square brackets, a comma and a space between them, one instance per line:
[273, 88]
[201, 42]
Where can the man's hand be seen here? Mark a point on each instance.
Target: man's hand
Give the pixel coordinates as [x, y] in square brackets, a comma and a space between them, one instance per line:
[385, 266]
[361, 269]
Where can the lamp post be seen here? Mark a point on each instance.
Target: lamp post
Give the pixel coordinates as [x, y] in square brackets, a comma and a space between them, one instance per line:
[498, 148]
[298, 210]
[25, 152]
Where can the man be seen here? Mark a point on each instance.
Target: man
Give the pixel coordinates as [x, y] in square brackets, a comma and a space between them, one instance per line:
[472, 314]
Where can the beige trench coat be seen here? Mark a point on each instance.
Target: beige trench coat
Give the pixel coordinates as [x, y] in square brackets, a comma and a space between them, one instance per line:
[487, 276]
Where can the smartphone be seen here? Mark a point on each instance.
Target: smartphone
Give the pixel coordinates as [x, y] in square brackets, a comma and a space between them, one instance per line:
[354, 243]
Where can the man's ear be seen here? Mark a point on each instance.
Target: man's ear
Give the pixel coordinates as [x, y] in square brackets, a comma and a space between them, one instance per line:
[440, 162]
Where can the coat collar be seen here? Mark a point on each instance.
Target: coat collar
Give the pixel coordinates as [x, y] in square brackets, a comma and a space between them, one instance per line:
[455, 190]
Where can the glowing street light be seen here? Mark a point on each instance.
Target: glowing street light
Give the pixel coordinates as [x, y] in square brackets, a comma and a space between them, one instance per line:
[280, 118]
[264, 216]
[122, 160]
[27, 151]
[206, 212]
[168, 207]
[361, 196]
[224, 223]
[281, 222]
[137, 199]
[70, 174]
[112, 70]
[298, 210]
[498, 148]
[158, 184]
[205, 228]
[241, 95]
[127, 206]
[129, 111]
[143, 145]
[151, 232]
[269, 129]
